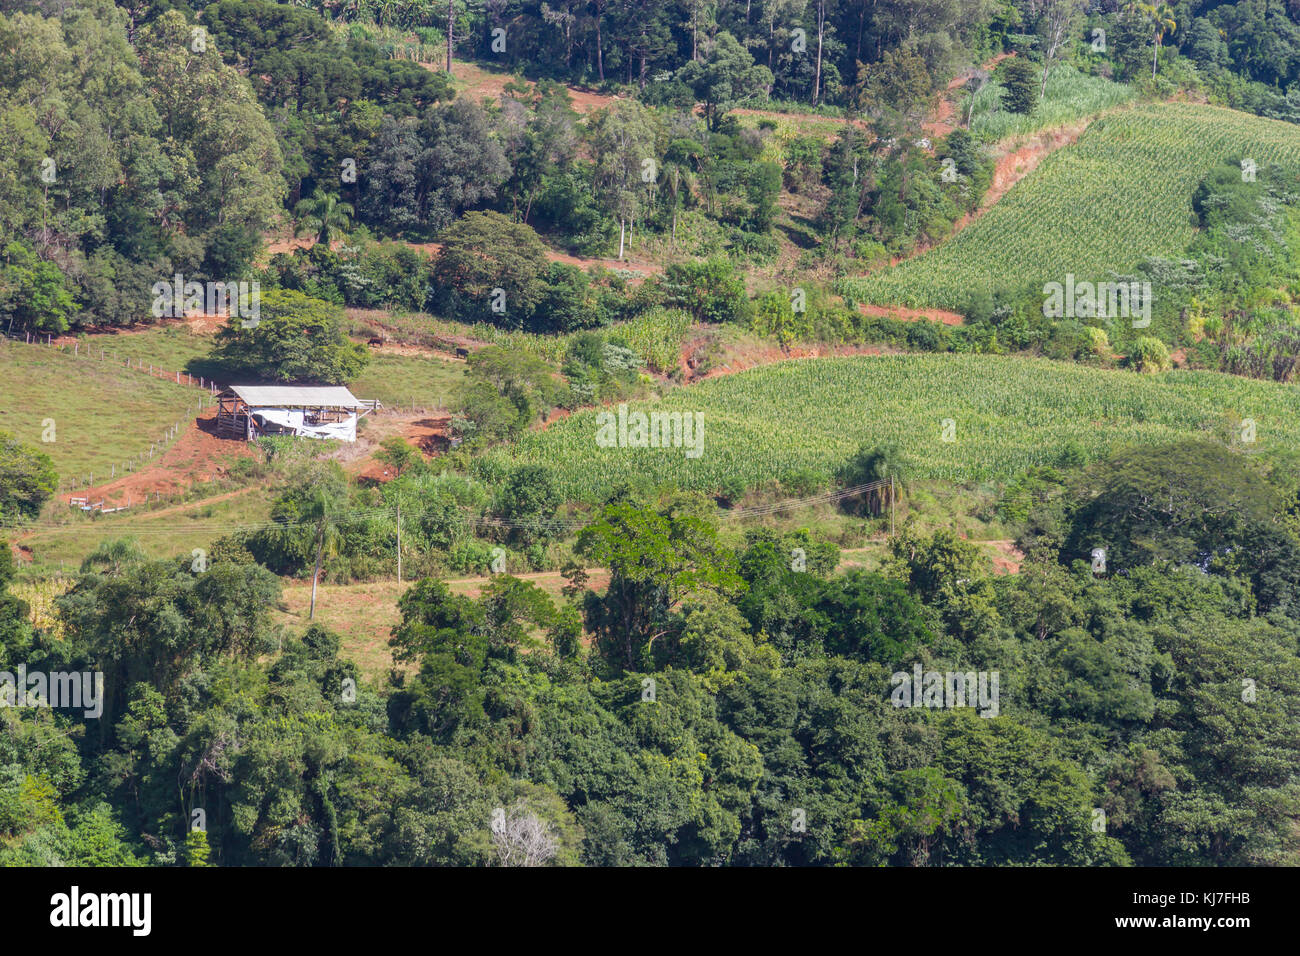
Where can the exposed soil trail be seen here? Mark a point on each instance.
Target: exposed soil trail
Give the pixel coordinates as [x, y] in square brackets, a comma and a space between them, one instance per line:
[941, 123]
[197, 456]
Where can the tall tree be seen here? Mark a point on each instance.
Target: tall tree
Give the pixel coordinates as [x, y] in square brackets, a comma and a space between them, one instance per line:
[655, 560]
[1056, 23]
[624, 141]
[726, 76]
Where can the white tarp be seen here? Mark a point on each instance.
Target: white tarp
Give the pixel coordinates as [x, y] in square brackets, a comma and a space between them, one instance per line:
[294, 419]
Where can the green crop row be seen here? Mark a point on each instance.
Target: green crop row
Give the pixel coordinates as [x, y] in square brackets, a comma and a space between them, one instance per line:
[1122, 193]
[1007, 413]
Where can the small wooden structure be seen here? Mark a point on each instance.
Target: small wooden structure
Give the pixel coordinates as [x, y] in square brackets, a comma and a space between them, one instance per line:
[307, 411]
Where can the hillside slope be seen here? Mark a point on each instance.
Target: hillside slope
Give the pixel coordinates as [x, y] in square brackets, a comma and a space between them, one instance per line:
[1122, 193]
[1008, 413]
[101, 412]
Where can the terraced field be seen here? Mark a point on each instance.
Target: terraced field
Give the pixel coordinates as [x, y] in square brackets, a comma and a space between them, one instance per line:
[1120, 194]
[1007, 413]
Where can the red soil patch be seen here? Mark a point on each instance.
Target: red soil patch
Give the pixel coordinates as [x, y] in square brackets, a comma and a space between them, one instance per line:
[416, 351]
[941, 124]
[485, 85]
[627, 265]
[1010, 168]
[752, 358]
[1008, 558]
[587, 101]
[1015, 166]
[431, 435]
[553, 416]
[206, 323]
[198, 456]
[912, 315]
[290, 243]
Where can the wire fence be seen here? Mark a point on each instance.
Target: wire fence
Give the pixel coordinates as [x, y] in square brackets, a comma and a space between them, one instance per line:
[88, 351]
[472, 520]
[90, 480]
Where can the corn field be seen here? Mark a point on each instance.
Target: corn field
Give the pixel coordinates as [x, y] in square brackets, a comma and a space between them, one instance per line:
[1006, 413]
[1119, 195]
[1070, 96]
[656, 336]
[40, 597]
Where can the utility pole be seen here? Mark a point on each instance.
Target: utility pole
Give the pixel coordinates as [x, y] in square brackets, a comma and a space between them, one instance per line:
[320, 552]
[891, 506]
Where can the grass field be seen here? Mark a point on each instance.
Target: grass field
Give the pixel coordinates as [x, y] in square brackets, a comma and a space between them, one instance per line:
[364, 615]
[172, 348]
[393, 379]
[1121, 193]
[166, 532]
[1070, 96]
[399, 380]
[102, 412]
[1008, 413]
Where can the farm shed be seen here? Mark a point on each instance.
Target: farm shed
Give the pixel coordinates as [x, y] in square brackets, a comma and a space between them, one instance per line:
[308, 411]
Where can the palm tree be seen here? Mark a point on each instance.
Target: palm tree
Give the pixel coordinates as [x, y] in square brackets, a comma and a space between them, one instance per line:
[322, 214]
[113, 555]
[327, 536]
[1161, 19]
[881, 463]
[680, 155]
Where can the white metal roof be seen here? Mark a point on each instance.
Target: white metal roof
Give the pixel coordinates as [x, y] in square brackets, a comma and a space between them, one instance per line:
[296, 396]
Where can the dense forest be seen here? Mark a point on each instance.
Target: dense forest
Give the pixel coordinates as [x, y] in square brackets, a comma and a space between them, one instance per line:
[736, 706]
[150, 140]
